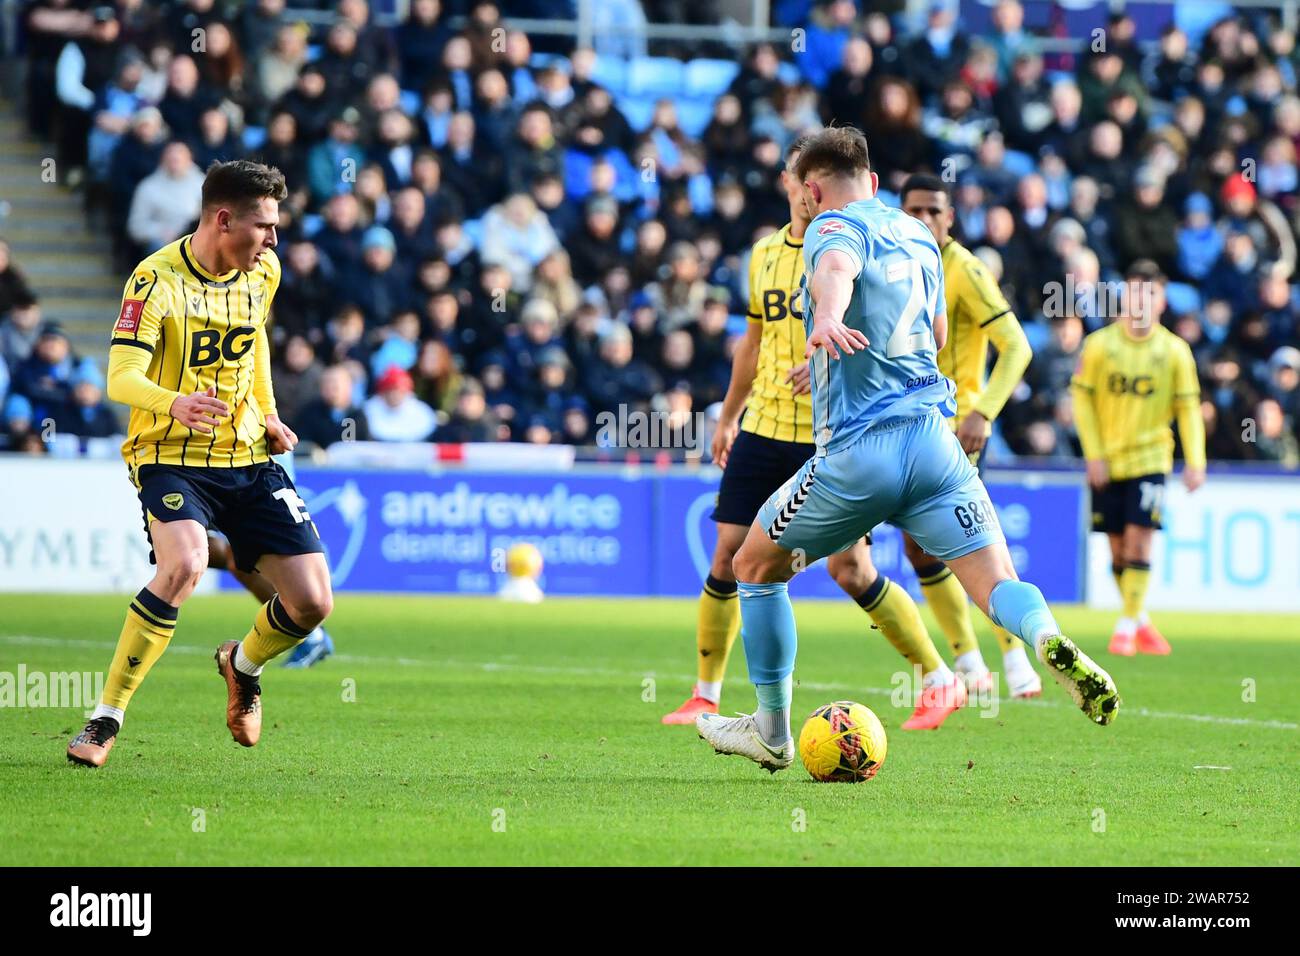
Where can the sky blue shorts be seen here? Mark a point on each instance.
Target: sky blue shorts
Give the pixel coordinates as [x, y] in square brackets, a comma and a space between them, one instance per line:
[910, 473]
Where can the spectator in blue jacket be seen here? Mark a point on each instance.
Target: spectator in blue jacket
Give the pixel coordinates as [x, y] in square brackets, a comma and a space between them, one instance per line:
[332, 166]
[46, 377]
[824, 41]
[1199, 242]
[87, 415]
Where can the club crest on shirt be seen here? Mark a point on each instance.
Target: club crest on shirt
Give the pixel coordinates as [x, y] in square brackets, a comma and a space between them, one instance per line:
[174, 501]
[835, 225]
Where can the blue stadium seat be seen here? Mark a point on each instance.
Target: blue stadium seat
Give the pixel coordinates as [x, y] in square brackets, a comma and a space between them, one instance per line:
[611, 73]
[639, 110]
[693, 115]
[409, 102]
[312, 223]
[1018, 163]
[710, 77]
[254, 137]
[789, 74]
[474, 231]
[314, 51]
[1182, 298]
[655, 76]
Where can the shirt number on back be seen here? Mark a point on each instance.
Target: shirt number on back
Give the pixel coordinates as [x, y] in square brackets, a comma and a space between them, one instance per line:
[903, 341]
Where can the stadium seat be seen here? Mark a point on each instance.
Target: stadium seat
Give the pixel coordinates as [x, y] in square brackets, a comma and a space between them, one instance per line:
[789, 74]
[254, 137]
[693, 115]
[314, 51]
[474, 231]
[611, 73]
[1182, 298]
[655, 76]
[710, 77]
[639, 110]
[1018, 163]
[409, 102]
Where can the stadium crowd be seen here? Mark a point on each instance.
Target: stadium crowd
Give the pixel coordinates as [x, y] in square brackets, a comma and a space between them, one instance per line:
[483, 242]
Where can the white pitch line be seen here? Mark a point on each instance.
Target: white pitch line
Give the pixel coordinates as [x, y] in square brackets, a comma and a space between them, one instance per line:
[504, 667]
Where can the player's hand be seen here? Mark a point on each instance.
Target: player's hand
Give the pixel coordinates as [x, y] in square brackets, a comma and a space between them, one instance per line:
[834, 336]
[1193, 478]
[1098, 474]
[279, 436]
[972, 432]
[723, 436]
[799, 379]
[200, 412]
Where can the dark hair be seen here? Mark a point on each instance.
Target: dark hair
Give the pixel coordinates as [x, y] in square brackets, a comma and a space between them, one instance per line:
[839, 151]
[796, 147]
[926, 182]
[240, 183]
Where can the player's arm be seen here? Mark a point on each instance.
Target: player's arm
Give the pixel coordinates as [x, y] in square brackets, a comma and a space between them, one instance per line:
[744, 366]
[1083, 388]
[130, 352]
[832, 289]
[1191, 427]
[279, 436]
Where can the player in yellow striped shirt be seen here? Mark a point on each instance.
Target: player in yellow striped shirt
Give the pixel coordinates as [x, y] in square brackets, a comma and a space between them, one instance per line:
[1134, 377]
[978, 316]
[189, 354]
[759, 452]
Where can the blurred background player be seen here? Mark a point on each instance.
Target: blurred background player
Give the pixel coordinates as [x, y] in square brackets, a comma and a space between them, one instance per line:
[978, 314]
[190, 355]
[876, 319]
[1134, 378]
[774, 440]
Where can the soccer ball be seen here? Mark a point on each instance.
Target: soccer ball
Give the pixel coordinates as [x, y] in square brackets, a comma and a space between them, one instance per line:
[523, 568]
[523, 560]
[842, 742]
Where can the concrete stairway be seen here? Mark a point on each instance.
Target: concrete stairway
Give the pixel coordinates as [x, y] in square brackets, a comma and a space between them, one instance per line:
[69, 267]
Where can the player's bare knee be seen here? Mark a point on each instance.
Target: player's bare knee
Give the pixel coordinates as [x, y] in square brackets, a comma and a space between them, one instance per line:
[916, 555]
[310, 608]
[755, 566]
[852, 577]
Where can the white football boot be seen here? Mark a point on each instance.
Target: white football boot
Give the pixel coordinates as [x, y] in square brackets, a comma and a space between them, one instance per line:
[739, 735]
[1022, 680]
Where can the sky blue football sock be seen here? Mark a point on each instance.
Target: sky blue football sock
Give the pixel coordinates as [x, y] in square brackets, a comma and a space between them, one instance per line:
[767, 628]
[773, 714]
[1020, 608]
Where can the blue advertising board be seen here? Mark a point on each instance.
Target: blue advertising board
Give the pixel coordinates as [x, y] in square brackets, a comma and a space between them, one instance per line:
[611, 532]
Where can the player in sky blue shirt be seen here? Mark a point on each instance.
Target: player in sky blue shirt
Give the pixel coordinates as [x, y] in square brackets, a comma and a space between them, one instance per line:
[897, 293]
[875, 314]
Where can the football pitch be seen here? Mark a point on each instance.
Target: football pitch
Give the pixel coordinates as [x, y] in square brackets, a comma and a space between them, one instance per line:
[465, 731]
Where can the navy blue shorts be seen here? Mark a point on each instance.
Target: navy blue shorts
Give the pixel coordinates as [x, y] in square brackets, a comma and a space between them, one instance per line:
[756, 467]
[1129, 501]
[256, 507]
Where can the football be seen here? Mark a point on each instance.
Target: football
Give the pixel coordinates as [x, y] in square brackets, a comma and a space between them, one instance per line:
[842, 742]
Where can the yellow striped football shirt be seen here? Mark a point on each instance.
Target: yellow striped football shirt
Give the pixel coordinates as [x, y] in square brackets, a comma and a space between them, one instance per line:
[181, 330]
[979, 314]
[775, 271]
[1126, 392]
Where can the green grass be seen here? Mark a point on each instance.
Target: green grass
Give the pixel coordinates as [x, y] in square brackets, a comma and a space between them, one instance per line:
[466, 708]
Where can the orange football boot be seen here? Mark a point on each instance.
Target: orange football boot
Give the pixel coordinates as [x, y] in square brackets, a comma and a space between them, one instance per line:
[687, 713]
[1123, 643]
[243, 698]
[935, 705]
[1151, 641]
[90, 747]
